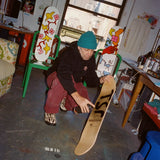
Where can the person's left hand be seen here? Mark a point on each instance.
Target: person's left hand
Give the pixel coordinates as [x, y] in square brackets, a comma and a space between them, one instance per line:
[106, 78]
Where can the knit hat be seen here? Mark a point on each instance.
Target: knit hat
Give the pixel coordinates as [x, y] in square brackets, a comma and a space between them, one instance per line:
[87, 40]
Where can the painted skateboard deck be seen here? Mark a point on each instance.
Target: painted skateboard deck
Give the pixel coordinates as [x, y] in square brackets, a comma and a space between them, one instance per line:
[114, 39]
[46, 35]
[95, 119]
[108, 58]
[106, 65]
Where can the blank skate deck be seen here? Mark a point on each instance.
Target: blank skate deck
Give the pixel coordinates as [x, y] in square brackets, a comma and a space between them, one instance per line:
[95, 119]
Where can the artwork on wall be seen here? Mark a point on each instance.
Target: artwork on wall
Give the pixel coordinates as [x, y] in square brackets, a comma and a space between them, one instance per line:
[28, 6]
[41, 6]
[152, 19]
[136, 37]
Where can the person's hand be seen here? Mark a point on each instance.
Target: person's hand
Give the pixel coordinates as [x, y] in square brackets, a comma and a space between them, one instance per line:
[82, 102]
[106, 78]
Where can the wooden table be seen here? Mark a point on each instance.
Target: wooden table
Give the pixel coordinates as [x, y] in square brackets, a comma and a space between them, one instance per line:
[21, 34]
[18, 30]
[142, 80]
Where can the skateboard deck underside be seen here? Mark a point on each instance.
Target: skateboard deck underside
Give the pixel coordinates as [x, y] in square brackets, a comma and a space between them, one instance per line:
[95, 119]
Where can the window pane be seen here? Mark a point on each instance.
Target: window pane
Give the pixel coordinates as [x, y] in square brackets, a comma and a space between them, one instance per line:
[115, 1]
[96, 6]
[84, 21]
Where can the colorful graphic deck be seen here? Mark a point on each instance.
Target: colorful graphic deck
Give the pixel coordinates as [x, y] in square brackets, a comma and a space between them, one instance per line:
[108, 58]
[46, 35]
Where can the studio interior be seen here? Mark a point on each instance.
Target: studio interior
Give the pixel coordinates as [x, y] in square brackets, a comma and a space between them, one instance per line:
[32, 35]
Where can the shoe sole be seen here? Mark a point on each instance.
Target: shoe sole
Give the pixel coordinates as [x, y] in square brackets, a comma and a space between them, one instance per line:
[63, 110]
[50, 124]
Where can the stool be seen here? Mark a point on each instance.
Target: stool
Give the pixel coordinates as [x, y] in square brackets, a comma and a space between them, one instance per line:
[151, 147]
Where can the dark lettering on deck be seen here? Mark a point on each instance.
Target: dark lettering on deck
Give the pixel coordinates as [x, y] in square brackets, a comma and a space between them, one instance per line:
[99, 105]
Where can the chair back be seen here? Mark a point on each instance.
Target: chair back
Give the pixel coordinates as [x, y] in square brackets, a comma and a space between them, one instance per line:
[46, 34]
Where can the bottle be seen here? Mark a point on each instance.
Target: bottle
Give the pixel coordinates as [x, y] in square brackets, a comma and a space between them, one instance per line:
[148, 61]
[157, 53]
[155, 66]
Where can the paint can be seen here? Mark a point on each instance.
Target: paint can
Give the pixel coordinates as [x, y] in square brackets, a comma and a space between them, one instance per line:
[155, 67]
[146, 65]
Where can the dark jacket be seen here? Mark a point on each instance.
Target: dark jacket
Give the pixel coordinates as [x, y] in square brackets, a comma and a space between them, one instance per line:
[70, 63]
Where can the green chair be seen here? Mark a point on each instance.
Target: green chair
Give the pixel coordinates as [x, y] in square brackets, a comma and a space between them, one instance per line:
[33, 63]
[109, 64]
[114, 68]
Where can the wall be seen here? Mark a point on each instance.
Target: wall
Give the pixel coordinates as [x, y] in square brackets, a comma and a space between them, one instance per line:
[132, 9]
[138, 7]
[30, 21]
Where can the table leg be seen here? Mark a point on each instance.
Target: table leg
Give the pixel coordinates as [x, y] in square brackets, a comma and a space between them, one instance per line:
[21, 36]
[136, 92]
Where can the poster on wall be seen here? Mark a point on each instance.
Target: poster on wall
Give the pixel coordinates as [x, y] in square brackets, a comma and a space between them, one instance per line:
[152, 19]
[41, 5]
[28, 6]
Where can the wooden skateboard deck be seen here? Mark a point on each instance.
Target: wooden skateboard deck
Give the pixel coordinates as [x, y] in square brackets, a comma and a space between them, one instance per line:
[46, 35]
[95, 119]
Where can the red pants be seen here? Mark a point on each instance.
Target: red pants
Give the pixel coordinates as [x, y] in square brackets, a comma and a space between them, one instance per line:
[56, 93]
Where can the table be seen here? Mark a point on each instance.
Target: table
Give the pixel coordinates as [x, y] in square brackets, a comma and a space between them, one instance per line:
[12, 28]
[21, 34]
[143, 79]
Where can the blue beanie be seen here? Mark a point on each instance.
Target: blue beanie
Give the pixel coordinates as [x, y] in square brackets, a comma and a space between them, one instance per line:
[87, 40]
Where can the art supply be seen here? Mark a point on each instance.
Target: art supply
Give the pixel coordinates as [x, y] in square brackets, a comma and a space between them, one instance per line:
[155, 66]
[148, 61]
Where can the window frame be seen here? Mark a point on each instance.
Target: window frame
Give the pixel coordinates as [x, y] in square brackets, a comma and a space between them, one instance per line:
[121, 7]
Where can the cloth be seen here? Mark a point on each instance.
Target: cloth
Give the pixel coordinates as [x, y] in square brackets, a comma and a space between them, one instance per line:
[135, 38]
[70, 63]
[155, 103]
[56, 93]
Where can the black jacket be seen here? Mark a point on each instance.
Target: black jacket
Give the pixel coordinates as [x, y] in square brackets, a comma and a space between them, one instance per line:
[70, 63]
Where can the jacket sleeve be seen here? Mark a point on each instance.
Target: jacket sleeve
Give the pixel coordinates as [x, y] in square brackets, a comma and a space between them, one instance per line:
[64, 72]
[91, 77]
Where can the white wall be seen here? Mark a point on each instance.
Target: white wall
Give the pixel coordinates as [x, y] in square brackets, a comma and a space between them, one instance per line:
[30, 21]
[138, 7]
[132, 10]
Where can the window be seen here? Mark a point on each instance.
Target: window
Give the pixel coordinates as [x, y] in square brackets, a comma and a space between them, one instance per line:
[95, 15]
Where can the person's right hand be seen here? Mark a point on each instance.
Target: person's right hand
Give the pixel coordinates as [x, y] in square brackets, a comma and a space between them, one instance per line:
[82, 102]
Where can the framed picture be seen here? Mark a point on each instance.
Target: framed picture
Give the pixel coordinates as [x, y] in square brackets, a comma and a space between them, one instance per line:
[28, 6]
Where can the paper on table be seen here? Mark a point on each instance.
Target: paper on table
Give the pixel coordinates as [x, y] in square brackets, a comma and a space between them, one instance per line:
[154, 80]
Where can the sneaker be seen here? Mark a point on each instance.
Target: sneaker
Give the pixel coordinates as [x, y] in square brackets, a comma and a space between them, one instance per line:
[77, 110]
[62, 105]
[50, 118]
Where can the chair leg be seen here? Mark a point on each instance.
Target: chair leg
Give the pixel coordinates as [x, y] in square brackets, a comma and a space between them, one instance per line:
[27, 76]
[25, 73]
